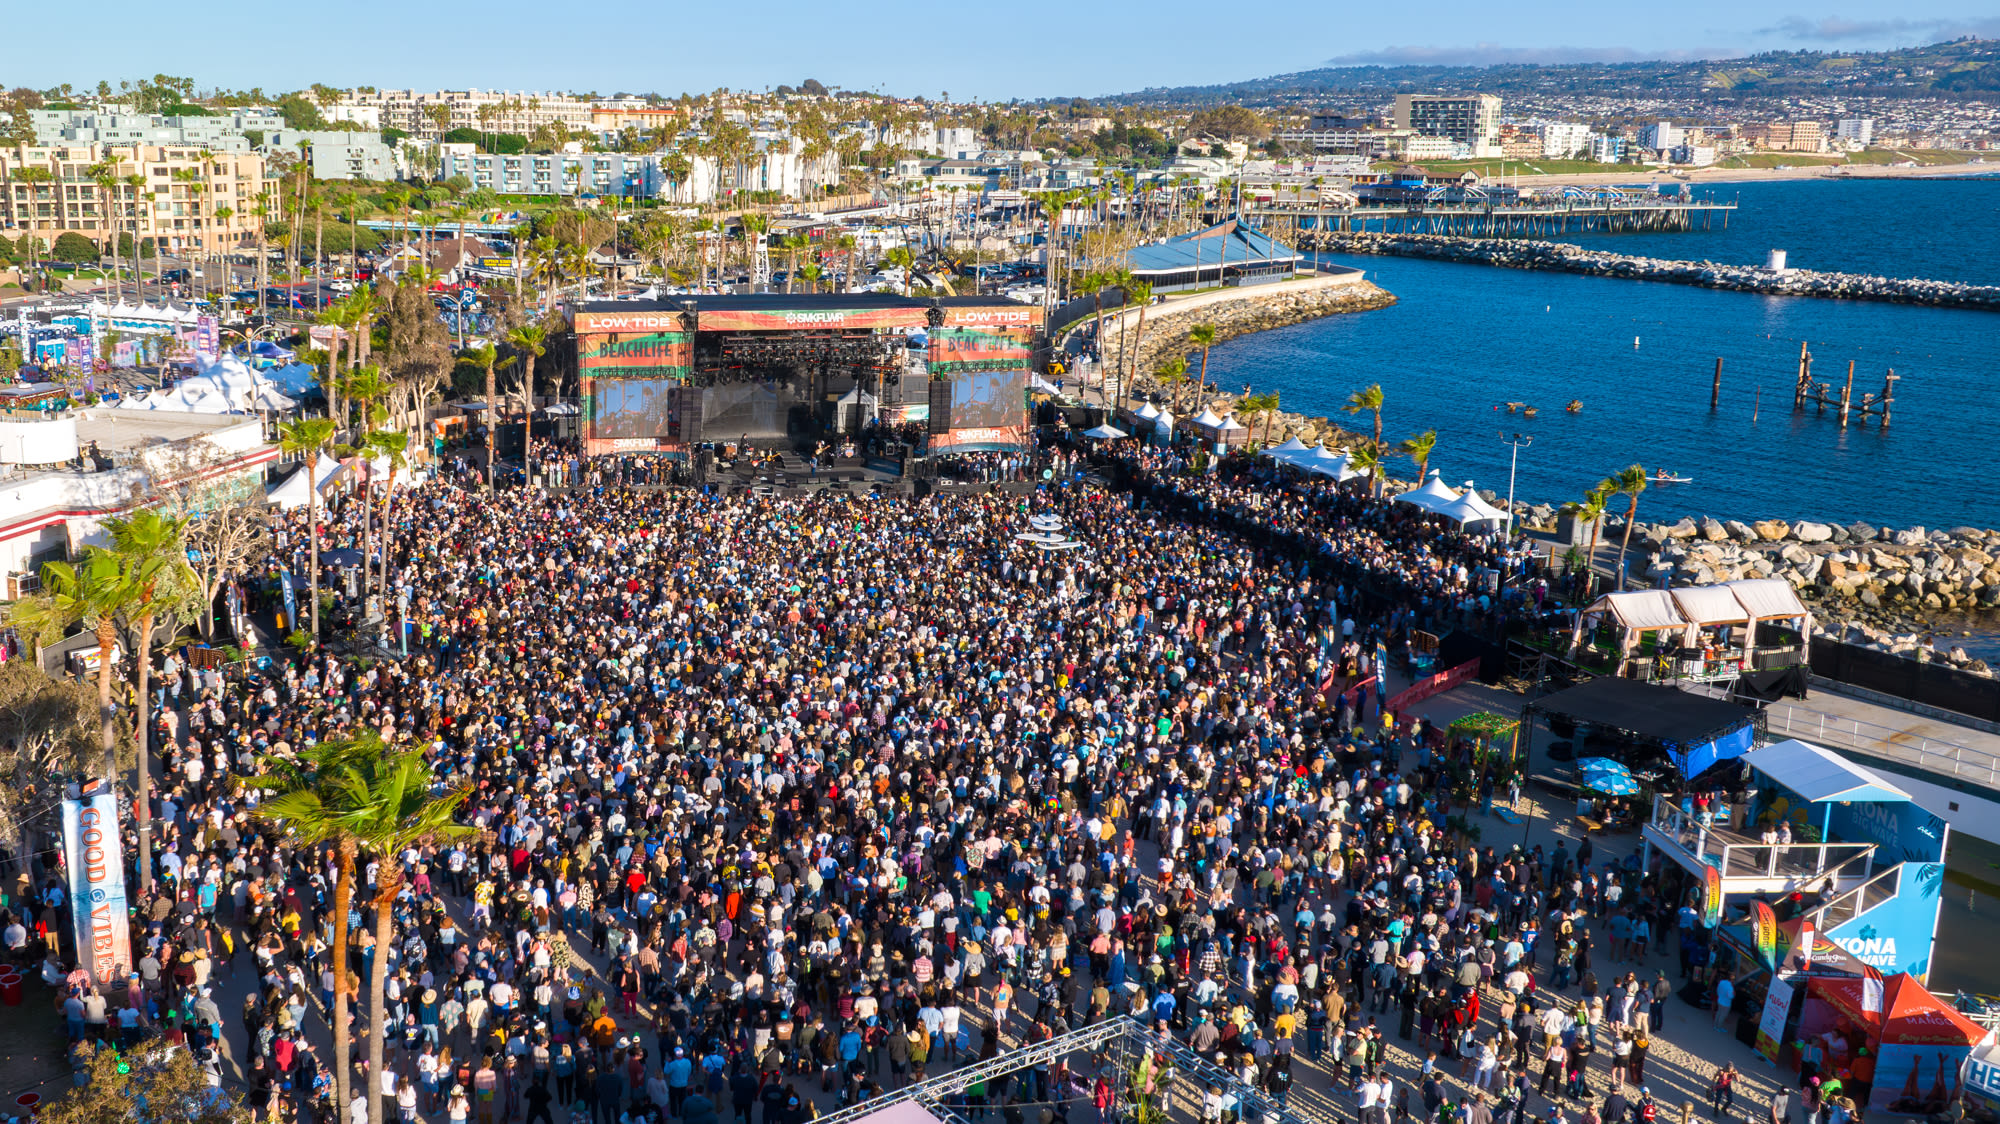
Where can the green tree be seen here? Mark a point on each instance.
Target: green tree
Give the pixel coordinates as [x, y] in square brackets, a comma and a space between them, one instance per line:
[319, 797]
[73, 247]
[1139, 293]
[485, 356]
[530, 342]
[1203, 337]
[900, 257]
[92, 592]
[1591, 510]
[308, 438]
[1628, 482]
[162, 1078]
[1263, 406]
[160, 586]
[1172, 374]
[1418, 448]
[47, 733]
[1366, 460]
[1367, 400]
[400, 813]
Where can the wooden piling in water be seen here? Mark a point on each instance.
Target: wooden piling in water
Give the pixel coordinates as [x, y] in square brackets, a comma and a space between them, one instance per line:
[1847, 394]
[1715, 389]
[1805, 378]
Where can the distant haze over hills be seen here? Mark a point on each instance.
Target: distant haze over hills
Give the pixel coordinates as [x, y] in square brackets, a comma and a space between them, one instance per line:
[1962, 69]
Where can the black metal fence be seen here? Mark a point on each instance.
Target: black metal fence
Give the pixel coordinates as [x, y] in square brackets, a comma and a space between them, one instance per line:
[1931, 684]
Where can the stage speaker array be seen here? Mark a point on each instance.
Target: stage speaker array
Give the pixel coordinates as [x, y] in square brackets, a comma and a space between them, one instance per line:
[940, 394]
[687, 412]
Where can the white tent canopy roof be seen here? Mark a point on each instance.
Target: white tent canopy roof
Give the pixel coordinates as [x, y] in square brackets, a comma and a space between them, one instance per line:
[1230, 423]
[1289, 449]
[1640, 610]
[1767, 598]
[1710, 604]
[1147, 412]
[1819, 776]
[1105, 432]
[1468, 508]
[1432, 495]
[1206, 419]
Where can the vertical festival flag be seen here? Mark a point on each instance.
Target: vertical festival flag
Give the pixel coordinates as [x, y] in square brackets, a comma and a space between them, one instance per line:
[97, 886]
[1712, 901]
[1764, 926]
[1871, 990]
[1805, 945]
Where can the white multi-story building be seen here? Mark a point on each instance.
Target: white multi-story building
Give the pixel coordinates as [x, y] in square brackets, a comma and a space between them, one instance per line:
[1607, 150]
[1856, 130]
[1661, 135]
[1473, 120]
[433, 113]
[220, 132]
[337, 154]
[1562, 138]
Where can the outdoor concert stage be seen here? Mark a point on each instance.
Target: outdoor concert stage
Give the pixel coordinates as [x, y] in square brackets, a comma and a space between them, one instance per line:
[666, 375]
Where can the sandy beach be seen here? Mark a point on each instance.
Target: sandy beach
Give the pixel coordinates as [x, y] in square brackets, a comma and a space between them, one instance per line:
[1757, 175]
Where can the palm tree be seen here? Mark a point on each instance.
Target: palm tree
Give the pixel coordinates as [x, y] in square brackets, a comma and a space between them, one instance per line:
[1367, 460]
[1093, 284]
[105, 176]
[848, 247]
[810, 273]
[308, 437]
[320, 796]
[392, 446]
[1141, 294]
[1591, 510]
[1263, 405]
[1172, 374]
[1629, 482]
[1418, 449]
[900, 257]
[1368, 400]
[152, 551]
[530, 342]
[792, 244]
[1203, 337]
[486, 355]
[399, 814]
[91, 592]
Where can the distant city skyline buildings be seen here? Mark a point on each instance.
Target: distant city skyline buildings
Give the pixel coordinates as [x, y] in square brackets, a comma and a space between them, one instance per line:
[905, 48]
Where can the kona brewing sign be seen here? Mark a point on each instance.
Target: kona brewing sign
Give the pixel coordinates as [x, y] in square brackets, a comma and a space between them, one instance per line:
[97, 886]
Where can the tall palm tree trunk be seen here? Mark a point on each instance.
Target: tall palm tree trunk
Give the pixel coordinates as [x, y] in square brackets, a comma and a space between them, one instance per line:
[142, 812]
[492, 418]
[312, 530]
[378, 978]
[343, 1032]
[1625, 540]
[107, 714]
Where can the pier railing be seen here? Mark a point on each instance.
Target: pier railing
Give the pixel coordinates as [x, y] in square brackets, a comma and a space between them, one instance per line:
[1933, 755]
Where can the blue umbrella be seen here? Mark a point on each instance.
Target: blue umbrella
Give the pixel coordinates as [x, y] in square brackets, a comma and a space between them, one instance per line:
[1601, 764]
[1612, 784]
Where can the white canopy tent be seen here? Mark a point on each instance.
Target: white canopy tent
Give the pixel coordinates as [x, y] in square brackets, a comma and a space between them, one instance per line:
[1105, 432]
[1322, 461]
[1165, 423]
[1470, 512]
[1689, 610]
[1291, 448]
[1433, 494]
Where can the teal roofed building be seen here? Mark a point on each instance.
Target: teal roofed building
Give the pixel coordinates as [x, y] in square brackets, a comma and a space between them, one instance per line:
[1232, 252]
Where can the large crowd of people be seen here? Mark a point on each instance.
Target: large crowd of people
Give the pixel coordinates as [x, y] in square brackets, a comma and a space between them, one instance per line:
[788, 799]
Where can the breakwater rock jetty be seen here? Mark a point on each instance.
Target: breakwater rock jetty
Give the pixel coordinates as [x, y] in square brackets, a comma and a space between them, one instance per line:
[1516, 253]
[1233, 312]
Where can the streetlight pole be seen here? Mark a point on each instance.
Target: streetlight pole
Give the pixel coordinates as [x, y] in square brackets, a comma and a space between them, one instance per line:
[1518, 441]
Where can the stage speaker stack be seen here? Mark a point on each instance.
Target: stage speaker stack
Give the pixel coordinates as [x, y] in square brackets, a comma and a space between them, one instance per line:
[940, 396]
[687, 410]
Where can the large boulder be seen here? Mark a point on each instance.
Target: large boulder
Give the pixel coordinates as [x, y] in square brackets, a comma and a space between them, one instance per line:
[1811, 532]
[1714, 531]
[1772, 530]
[1910, 536]
[1685, 529]
[1740, 531]
[1796, 554]
[1862, 532]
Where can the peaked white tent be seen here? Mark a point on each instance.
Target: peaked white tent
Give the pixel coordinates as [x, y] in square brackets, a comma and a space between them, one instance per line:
[1472, 513]
[1165, 423]
[290, 493]
[1207, 419]
[1432, 495]
[1105, 432]
[1146, 412]
[1291, 448]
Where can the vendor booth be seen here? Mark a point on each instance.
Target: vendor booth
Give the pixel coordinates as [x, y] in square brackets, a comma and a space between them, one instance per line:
[1431, 495]
[1901, 1046]
[1754, 631]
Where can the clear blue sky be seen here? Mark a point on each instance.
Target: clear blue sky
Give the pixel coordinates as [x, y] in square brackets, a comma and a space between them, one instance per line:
[995, 51]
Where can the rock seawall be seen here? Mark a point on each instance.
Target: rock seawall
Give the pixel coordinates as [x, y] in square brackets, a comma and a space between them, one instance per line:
[1258, 309]
[1563, 257]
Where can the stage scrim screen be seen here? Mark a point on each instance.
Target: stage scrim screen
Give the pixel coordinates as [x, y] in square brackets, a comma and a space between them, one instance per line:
[987, 367]
[631, 363]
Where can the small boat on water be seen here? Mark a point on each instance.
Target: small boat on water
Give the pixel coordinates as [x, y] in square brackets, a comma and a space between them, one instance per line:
[1575, 405]
[1515, 407]
[1665, 477]
[1528, 412]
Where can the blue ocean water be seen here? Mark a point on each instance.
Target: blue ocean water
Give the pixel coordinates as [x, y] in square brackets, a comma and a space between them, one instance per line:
[1464, 339]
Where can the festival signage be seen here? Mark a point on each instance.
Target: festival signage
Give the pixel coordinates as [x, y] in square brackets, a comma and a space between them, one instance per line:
[1777, 1008]
[997, 316]
[1764, 932]
[812, 319]
[1711, 903]
[291, 599]
[648, 354]
[1432, 686]
[98, 906]
[1805, 943]
[207, 339]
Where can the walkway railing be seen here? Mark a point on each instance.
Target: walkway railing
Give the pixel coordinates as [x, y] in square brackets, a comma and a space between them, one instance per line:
[1935, 755]
[1711, 844]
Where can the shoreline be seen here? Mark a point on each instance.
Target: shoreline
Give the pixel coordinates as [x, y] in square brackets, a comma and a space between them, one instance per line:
[1882, 588]
[1568, 257]
[1718, 177]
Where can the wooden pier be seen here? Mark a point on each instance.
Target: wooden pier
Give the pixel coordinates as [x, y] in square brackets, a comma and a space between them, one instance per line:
[1623, 213]
[1823, 394]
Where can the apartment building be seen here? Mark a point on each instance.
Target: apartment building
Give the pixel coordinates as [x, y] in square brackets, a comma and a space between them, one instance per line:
[433, 113]
[189, 200]
[219, 131]
[337, 154]
[1472, 120]
[558, 173]
[1788, 136]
